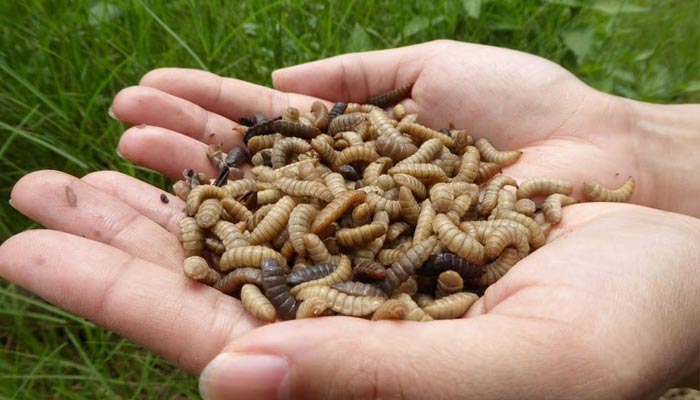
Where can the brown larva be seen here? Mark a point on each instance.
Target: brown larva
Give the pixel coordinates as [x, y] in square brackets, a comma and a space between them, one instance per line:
[298, 188]
[325, 150]
[493, 271]
[263, 157]
[441, 196]
[392, 309]
[505, 201]
[417, 187]
[335, 183]
[197, 268]
[380, 203]
[369, 271]
[249, 256]
[426, 173]
[410, 287]
[314, 272]
[182, 189]
[409, 207]
[461, 205]
[257, 143]
[462, 140]
[391, 142]
[299, 224]
[496, 239]
[452, 306]
[274, 222]
[337, 110]
[391, 97]
[540, 186]
[424, 225]
[257, 304]
[414, 313]
[282, 150]
[490, 154]
[238, 188]
[201, 193]
[361, 214]
[208, 213]
[337, 207]
[229, 236]
[351, 137]
[214, 245]
[469, 166]
[358, 289]
[258, 216]
[232, 282]
[192, 236]
[291, 114]
[449, 282]
[311, 308]
[486, 171]
[342, 303]
[308, 172]
[236, 210]
[321, 114]
[397, 229]
[346, 122]
[316, 248]
[370, 251]
[388, 256]
[593, 191]
[360, 236]
[438, 263]
[373, 170]
[405, 266]
[458, 242]
[295, 129]
[537, 238]
[341, 274]
[269, 196]
[490, 198]
[551, 208]
[276, 290]
[423, 133]
[353, 154]
[423, 299]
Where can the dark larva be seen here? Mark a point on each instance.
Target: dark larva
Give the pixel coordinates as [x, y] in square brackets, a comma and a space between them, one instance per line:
[276, 290]
[317, 271]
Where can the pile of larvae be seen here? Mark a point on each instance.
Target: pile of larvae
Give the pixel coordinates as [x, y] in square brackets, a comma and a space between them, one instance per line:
[364, 212]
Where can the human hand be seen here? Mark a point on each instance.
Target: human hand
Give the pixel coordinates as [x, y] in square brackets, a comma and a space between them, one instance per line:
[606, 310]
[518, 101]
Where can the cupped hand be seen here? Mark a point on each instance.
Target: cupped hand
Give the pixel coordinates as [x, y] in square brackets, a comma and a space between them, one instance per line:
[607, 309]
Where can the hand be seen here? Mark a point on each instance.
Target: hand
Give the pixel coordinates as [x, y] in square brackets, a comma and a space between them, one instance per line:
[606, 310]
[518, 101]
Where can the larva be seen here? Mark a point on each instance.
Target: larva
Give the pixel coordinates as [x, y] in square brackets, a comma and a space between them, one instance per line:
[486, 171]
[405, 266]
[269, 196]
[396, 229]
[275, 286]
[201, 193]
[461, 205]
[414, 313]
[282, 150]
[540, 186]
[423, 133]
[417, 187]
[351, 137]
[299, 223]
[260, 213]
[449, 282]
[551, 208]
[423, 299]
[379, 203]
[316, 249]
[291, 114]
[442, 197]
[298, 188]
[342, 303]
[311, 308]
[353, 154]
[181, 189]
[229, 235]
[337, 207]
[370, 251]
[346, 122]
[197, 268]
[232, 282]
[525, 206]
[426, 173]
[361, 214]
[249, 256]
[490, 154]
[208, 213]
[238, 188]
[373, 170]
[496, 239]
[391, 142]
[308, 172]
[490, 198]
[409, 207]
[236, 210]
[392, 309]
[493, 271]
[295, 129]
[424, 225]
[410, 287]
[191, 236]
[358, 289]
[458, 242]
[214, 245]
[274, 222]
[388, 256]
[261, 129]
[337, 110]
[391, 97]
[593, 191]
[335, 183]
[341, 274]
[236, 156]
[255, 144]
[257, 304]
[469, 166]
[317, 271]
[360, 236]
[349, 172]
[321, 115]
[441, 262]
[452, 306]
[325, 150]
[537, 238]
[369, 271]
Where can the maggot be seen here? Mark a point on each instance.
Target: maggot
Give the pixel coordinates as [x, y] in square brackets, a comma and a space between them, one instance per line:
[275, 285]
[257, 304]
[593, 191]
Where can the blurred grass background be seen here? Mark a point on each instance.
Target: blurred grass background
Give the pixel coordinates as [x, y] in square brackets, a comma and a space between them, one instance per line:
[62, 62]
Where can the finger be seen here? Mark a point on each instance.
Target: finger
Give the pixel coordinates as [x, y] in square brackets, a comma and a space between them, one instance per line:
[144, 105]
[60, 201]
[140, 196]
[346, 358]
[181, 320]
[229, 97]
[357, 76]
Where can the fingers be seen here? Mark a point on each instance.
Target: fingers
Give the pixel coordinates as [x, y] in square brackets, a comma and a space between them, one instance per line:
[144, 105]
[348, 358]
[229, 97]
[140, 196]
[183, 321]
[355, 77]
[59, 201]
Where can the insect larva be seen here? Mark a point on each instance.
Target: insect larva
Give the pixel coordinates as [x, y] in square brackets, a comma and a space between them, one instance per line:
[391, 97]
[208, 213]
[414, 313]
[386, 182]
[391, 142]
[255, 144]
[232, 282]
[493, 271]
[337, 207]
[321, 115]
[388, 256]
[346, 122]
[423, 299]
[229, 235]
[461, 205]
[462, 140]
[551, 208]
[426, 173]
[441, 262]
[214, 245]
[469, 166]
[316, 249]
[269, 196]
[449, 282]
[236, 156]
[248, 256]
[257, 304]
[311, 308]
[410, 287]
[488, 202]
[317, 271]
[448, 161]
[409, 207]
[540, 186]
[452, 306]
[197, 268]
[237, 211]
[298, 188]
[275, 286]
[299, 223]
[263, 157]
[291, 114]
[537, 238]
[360, 236]
[441, 196]
[496, 239]
[337, 110]
[379, 203]
[424, 225]
[423, 133]
[593, 191]
[490, 154]
[192, 236]
[392, 309]
[181, 189]
[274, 222]
[307, 172]
[258, 216]
[396, 229]
[373, 170]
[295, 129]
[505, 201]
[355, 154]
[342, 303]
[335, 183]
[341, 274]
[405, 266]
[201, 193]
[361, 215]
[458, 242]
[358, 289]
[261, 129]
[369, 271]
[282, 150]
[325, 150]
[398, 112]
[486, 171]
[240, 187]
[353, 138]
[416, 186]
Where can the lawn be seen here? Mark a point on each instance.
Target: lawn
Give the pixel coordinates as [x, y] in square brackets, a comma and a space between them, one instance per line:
[61, 65]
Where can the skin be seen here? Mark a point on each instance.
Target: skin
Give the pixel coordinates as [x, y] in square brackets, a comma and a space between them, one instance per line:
[604, 310]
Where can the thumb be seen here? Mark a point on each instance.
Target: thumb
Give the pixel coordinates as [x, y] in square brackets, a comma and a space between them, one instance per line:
[338, 357]
[356, 76]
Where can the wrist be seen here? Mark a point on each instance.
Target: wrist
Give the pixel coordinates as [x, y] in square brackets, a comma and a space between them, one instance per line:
[666, 140]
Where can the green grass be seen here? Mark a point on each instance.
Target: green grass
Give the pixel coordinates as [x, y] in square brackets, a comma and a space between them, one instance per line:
[61, 65]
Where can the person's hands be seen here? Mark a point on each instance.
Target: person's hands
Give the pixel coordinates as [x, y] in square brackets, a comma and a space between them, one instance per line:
[607, 309]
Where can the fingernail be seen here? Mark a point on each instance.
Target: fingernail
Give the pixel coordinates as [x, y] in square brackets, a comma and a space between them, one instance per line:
[119, 154]
[110, 112]
[245, 376]
[11, 204]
